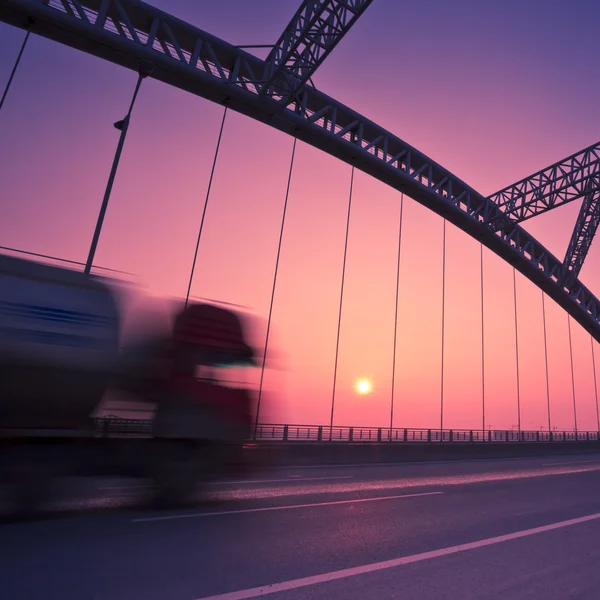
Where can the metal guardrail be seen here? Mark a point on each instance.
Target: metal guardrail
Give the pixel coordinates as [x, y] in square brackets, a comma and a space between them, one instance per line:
[323, 433]
[320, 433]
[112, 426]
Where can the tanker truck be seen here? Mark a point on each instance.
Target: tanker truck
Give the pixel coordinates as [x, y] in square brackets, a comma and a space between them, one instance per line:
[60, 351]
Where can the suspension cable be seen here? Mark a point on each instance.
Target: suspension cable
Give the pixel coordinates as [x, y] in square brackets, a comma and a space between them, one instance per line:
[14, 70]
[517, 352]
[546, 361]
[210, 180]
[443, 331]
[144, 70]
[337, 344]
[285, 203]
[58, 259]
[572, 374]
[595, 383]
[482, 345]
[396, 315]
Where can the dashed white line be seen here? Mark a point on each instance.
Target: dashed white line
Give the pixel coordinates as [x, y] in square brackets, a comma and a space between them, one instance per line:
[273, 508]
[389, 564]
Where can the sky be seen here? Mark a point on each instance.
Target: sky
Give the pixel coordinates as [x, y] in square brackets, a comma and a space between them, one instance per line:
[492, 91]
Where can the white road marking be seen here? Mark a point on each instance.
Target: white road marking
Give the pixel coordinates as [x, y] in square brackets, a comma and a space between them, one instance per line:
[390, 564]
[271, 508]
[573, 462]
[291, 479]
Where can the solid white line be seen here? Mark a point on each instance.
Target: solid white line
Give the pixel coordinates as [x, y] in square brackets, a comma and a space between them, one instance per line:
[291, 479]
[271, 508]
[389, 564]
[574, 462]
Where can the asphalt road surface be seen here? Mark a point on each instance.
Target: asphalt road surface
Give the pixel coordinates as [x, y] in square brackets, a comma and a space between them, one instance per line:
[496, 529]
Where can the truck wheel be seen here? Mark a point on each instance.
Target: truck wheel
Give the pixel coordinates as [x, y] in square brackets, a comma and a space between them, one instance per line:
[178, 472]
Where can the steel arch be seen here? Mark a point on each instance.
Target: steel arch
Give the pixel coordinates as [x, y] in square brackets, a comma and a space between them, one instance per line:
[127, 31]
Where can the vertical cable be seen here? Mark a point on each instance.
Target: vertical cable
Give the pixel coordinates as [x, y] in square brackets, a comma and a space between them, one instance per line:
[595, 382]
[144, 70]
[212, 172]
[572, 375]
[546, 359]
[443, 331]
[482, 347]
[264, 361]
[14, 70]
[337, 344]
[396, 315]
[517, 352]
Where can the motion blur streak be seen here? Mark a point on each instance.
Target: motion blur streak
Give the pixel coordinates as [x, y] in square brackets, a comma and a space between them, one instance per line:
[67, 338]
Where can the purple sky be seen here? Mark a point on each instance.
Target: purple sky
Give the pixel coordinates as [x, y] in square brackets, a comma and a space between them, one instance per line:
[493, 91]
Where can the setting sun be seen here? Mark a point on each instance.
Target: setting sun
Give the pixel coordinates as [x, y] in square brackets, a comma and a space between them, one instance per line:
[363, 386]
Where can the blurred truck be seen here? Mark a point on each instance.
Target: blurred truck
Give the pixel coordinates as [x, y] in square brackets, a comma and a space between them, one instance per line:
[60, 351]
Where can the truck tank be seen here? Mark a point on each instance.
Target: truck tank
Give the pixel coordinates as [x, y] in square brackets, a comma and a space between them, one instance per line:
[59, 337]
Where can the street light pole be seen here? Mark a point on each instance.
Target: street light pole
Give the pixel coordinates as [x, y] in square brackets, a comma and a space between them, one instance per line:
[145, 69]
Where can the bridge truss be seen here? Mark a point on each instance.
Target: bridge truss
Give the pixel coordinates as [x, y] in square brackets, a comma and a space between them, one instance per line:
[127, 32]
[312, 34]
[573, 178]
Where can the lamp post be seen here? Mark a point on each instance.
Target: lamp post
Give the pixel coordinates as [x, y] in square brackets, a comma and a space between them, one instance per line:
[145, 68]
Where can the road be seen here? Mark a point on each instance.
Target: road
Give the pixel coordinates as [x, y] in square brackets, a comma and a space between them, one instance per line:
[496, 529]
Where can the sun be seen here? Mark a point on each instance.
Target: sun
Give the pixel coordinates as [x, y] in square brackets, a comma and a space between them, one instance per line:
[363, 386]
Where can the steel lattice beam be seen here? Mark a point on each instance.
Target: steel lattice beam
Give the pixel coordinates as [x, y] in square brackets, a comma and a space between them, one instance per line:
[558, 184]
[128, 31]
[311, 35]
[584, 231]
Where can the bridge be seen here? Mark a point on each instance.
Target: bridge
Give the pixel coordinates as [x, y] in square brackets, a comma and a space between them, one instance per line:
[278, 92]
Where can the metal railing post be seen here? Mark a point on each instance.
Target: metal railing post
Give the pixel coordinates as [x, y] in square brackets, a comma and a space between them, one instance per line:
[285, 433]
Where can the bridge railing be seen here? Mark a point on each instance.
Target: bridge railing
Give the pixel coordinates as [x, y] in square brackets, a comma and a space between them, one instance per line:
[323, 433]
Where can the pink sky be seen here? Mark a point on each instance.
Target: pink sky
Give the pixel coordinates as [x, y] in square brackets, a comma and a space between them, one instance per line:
[486, 107]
